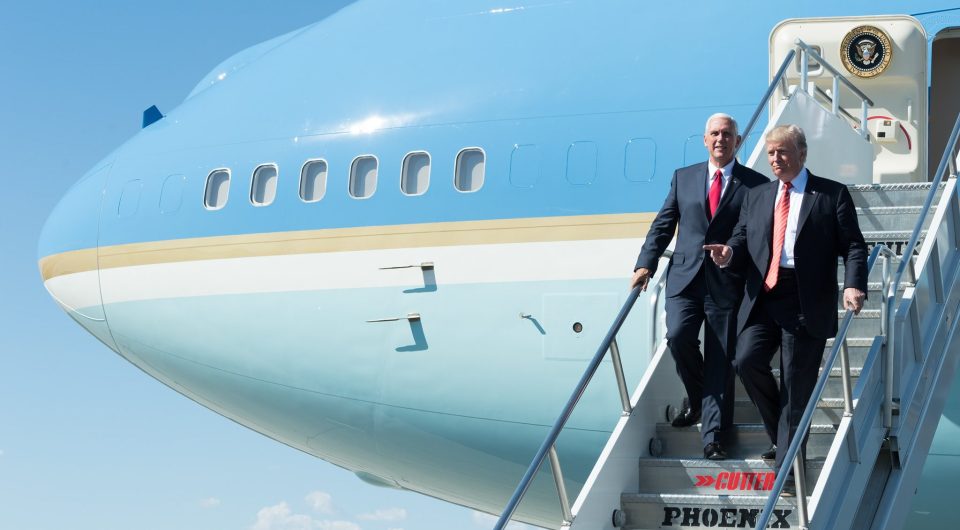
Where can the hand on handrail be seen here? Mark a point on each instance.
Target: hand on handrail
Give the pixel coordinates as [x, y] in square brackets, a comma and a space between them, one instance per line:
[641, 277]
[853, 299]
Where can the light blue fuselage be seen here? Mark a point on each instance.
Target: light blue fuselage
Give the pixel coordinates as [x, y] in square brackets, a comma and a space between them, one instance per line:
[582, 109]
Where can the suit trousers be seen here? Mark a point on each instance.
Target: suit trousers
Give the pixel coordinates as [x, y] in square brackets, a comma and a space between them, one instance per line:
[777, 323]
[707, 378]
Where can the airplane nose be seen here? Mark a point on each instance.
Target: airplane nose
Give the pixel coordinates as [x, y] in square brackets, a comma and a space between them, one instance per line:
[67, 253]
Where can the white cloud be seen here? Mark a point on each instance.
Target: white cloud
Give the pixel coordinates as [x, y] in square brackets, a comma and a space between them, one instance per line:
[389, 514]
[281, 517]
[336, 525]
[485, 520]
[320, 501]
[209, 502]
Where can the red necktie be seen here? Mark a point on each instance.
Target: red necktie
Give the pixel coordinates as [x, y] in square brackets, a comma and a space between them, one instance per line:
[714, 196]
[780, 214]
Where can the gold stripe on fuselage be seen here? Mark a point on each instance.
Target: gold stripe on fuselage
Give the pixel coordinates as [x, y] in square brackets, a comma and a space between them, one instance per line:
[495, 231]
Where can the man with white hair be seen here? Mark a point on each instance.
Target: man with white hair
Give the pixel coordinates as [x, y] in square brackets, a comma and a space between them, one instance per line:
[790, 234]
[702, 207]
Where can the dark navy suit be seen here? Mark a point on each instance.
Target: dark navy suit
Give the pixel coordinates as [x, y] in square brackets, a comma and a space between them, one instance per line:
[697, 290]
[800, 313]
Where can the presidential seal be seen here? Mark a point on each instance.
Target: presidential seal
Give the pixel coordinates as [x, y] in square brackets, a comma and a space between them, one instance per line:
[866, 51]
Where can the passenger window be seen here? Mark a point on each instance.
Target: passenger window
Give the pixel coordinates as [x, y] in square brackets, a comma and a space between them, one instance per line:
[415, 174]
[129, 199]
[263, 187]
[363, 177]
[313, 180]
[217, 189]
[470, 168]
[171, 195]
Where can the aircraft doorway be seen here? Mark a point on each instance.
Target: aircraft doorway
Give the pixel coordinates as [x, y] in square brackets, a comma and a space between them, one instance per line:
[944, 87]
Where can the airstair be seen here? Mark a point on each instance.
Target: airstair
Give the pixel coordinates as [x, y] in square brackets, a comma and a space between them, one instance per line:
[875, 408]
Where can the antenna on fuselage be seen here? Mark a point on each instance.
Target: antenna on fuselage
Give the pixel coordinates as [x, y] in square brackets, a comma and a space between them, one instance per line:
[151, 115]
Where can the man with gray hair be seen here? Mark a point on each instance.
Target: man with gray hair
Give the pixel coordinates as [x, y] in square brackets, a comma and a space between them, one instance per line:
[702, 207]
[790, 233]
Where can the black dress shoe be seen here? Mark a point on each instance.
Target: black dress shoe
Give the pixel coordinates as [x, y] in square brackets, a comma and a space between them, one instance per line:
[789, 488]
[769, 454]
[686, 418]
[713, 451]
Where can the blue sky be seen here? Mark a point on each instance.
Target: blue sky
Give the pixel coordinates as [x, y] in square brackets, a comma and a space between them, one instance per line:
[87, 441]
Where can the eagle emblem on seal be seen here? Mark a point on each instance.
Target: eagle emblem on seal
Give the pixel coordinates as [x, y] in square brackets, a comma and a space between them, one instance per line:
[866, 51]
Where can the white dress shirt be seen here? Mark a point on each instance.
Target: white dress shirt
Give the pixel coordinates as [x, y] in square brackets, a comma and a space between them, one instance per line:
[727, 171]
[793, 218]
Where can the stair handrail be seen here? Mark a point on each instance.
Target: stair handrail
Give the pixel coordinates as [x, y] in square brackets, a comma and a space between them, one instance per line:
[865, 102]
[807, 50]
[792, 454]
[946, 161]
[781, 72]
[547, 448]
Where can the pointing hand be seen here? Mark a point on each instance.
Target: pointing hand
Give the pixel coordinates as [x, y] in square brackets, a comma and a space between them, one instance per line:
[720, 254]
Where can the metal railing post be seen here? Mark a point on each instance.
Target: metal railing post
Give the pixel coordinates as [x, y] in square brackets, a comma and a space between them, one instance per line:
[836, 96]
[804, 68]
[864, 119]
[891, 345]
[621, 380]
[800, 481]
[561, 489]
[847, 387]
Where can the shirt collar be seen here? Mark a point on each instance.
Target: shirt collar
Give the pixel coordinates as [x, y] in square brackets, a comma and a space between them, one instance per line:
[727, 170]
[799, 182]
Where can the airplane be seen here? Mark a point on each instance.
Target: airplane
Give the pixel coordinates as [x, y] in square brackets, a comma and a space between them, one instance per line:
[392, 238]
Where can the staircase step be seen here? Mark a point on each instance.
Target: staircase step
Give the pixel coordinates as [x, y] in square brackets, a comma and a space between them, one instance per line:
[895, 239]
[876, 275]
[866, 324]
[894, 194]
[743, 441]
[857, 349]
[878, 218]
[829, 411]
[647, 511]
[832, 390]
[712, 477]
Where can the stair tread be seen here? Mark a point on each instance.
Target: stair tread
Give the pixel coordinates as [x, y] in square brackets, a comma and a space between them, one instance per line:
[873, 235]
[892, 186]
[746, 428]
[695, 498]
[718, 464]
[889, 210]
[824, 403]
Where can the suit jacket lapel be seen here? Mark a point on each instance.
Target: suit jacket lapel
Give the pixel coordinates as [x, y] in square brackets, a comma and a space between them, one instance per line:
[731, 187]
[701, 181]
[766, 219]
[810, 195]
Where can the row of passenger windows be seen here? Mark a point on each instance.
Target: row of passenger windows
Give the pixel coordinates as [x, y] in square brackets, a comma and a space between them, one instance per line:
[414, 178]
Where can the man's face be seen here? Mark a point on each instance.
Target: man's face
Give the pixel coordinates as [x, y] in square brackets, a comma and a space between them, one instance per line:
[721, 141]
[785, 159]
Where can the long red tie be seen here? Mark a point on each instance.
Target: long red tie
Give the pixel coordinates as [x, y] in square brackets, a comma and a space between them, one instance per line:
[780, 214]
[714, 196]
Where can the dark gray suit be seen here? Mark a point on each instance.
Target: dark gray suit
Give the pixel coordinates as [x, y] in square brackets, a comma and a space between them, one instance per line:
[800, 313]
[697, 290]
